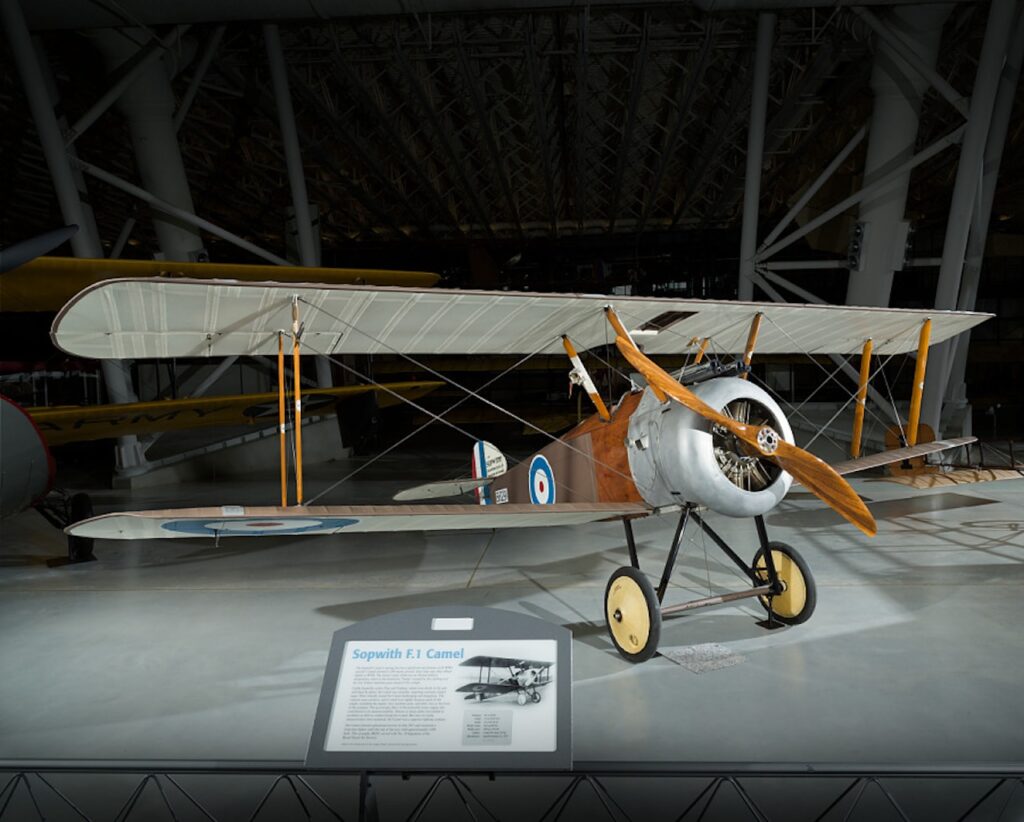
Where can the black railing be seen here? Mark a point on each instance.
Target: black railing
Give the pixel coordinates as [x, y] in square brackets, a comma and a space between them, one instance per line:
[258, 790]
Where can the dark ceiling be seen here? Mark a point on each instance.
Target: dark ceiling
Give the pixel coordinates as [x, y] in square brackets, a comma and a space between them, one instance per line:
[612, 127]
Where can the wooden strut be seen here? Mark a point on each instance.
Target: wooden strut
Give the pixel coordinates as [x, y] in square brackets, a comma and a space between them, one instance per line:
[918, 390]
[748, 351]
[583, 375]
[621, 331]
[700, 352]
[298, 400]
[862, 396]
[282, 436]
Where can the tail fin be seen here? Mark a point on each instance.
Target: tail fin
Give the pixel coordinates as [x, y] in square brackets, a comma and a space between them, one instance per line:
[488, 461]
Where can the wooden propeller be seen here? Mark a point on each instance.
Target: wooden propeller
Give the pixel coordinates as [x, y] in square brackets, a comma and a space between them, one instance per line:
[816, 475]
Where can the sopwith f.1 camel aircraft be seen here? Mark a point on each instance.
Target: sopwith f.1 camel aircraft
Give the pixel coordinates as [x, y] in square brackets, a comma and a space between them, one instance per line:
[706, 438]
[525, 676]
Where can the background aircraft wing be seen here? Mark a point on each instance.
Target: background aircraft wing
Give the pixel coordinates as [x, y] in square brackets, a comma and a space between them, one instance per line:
[254, 521]
[64, 424]
[46, 283]
[152, 318]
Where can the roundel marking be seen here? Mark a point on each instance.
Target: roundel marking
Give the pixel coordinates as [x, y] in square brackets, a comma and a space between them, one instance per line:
[253, 526]
[542, 481]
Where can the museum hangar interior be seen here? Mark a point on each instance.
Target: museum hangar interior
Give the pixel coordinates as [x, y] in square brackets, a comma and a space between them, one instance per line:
[395, 211]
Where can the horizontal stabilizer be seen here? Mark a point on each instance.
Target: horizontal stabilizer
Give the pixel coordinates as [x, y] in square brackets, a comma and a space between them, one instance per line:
[266, 521]
[900, 454]
[448, 488]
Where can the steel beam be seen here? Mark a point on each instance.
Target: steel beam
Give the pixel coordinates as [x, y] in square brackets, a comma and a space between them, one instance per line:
[694, 80]
[755, 147]
[636, 87]
[907, 52]
[84, 243]
[147, 56]
[1003, 108]
[814, 187]
[181, 214]
[472, 81]
[582, 67]
[344, 74]
[209, 51]
[290, 139]
[965, 190]
[935, 148]
[434, 119]
[543, 127]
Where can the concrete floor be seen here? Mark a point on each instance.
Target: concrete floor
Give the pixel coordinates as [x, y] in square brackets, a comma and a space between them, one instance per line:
[180, 649]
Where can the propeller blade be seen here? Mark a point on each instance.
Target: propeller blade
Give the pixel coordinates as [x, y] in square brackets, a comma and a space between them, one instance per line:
[817, 476]
[27, 250]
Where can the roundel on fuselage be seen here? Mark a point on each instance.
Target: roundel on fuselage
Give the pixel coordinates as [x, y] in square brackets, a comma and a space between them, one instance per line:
[542, 481]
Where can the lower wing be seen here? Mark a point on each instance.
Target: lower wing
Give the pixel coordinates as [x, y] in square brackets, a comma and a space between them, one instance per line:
[262, 521]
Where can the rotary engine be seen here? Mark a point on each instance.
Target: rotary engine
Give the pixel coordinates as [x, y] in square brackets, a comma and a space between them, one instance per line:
[677, 456]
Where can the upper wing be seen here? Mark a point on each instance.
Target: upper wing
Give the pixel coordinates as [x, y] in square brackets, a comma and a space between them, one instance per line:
[130, 319]
[46, 283]
[65, 424]
[505, 662]
[261, 521]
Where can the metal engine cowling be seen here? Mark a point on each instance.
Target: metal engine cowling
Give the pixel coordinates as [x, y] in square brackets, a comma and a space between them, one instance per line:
[677, 456]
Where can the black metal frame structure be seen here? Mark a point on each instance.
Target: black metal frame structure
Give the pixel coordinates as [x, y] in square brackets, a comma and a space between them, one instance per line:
[265, 790]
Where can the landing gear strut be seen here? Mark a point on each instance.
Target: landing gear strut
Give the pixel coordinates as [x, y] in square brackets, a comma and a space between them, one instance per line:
[780, 579]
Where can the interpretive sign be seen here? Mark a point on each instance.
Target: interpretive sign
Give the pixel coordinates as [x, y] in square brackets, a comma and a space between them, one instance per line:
[443, 688]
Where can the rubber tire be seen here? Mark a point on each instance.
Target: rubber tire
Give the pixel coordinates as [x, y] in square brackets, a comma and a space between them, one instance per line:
[811, 600]
[650, 647]
[80, 548]
[535, 696]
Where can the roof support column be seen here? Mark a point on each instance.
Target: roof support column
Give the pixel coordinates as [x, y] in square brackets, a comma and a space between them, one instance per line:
[755, 149]
[898, 90]
[966, 191]
[308, 255]
[71, 193]
[148, 105]
[956, 389]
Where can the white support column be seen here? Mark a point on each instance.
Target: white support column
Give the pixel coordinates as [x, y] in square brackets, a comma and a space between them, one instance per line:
[956, 389]
[755, 150]
[148, 105]
[296, 173]
[965, 193]
[70, 192]
[898, 89]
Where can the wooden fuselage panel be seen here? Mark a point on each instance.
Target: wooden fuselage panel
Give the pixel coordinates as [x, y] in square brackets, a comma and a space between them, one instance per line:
[589, 464]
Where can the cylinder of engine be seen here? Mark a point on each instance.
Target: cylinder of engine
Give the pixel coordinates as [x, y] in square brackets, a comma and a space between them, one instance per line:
[677, 456]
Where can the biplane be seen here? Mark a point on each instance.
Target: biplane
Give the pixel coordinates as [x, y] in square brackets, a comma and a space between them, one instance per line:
[705, 439]
[525, 676]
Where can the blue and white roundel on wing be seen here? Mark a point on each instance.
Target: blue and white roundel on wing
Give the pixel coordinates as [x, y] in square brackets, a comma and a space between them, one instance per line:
[542, 481]
[256, 526]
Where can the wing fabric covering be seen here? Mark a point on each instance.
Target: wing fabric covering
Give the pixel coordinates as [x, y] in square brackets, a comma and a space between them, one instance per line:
[815, 474]
[260, 521]
[159, 318]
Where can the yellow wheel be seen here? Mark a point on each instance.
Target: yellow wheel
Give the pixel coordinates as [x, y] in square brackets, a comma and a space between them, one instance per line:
[633, 613]
[799, 595]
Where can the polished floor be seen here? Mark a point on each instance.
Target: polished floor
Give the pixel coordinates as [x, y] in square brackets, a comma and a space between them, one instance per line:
[184, 649]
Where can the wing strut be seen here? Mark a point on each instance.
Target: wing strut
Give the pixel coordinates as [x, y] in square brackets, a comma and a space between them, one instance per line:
[281, 419]
[862, 396]
[919, 369]
[748, 352]
[296, 333]
[580, 376]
